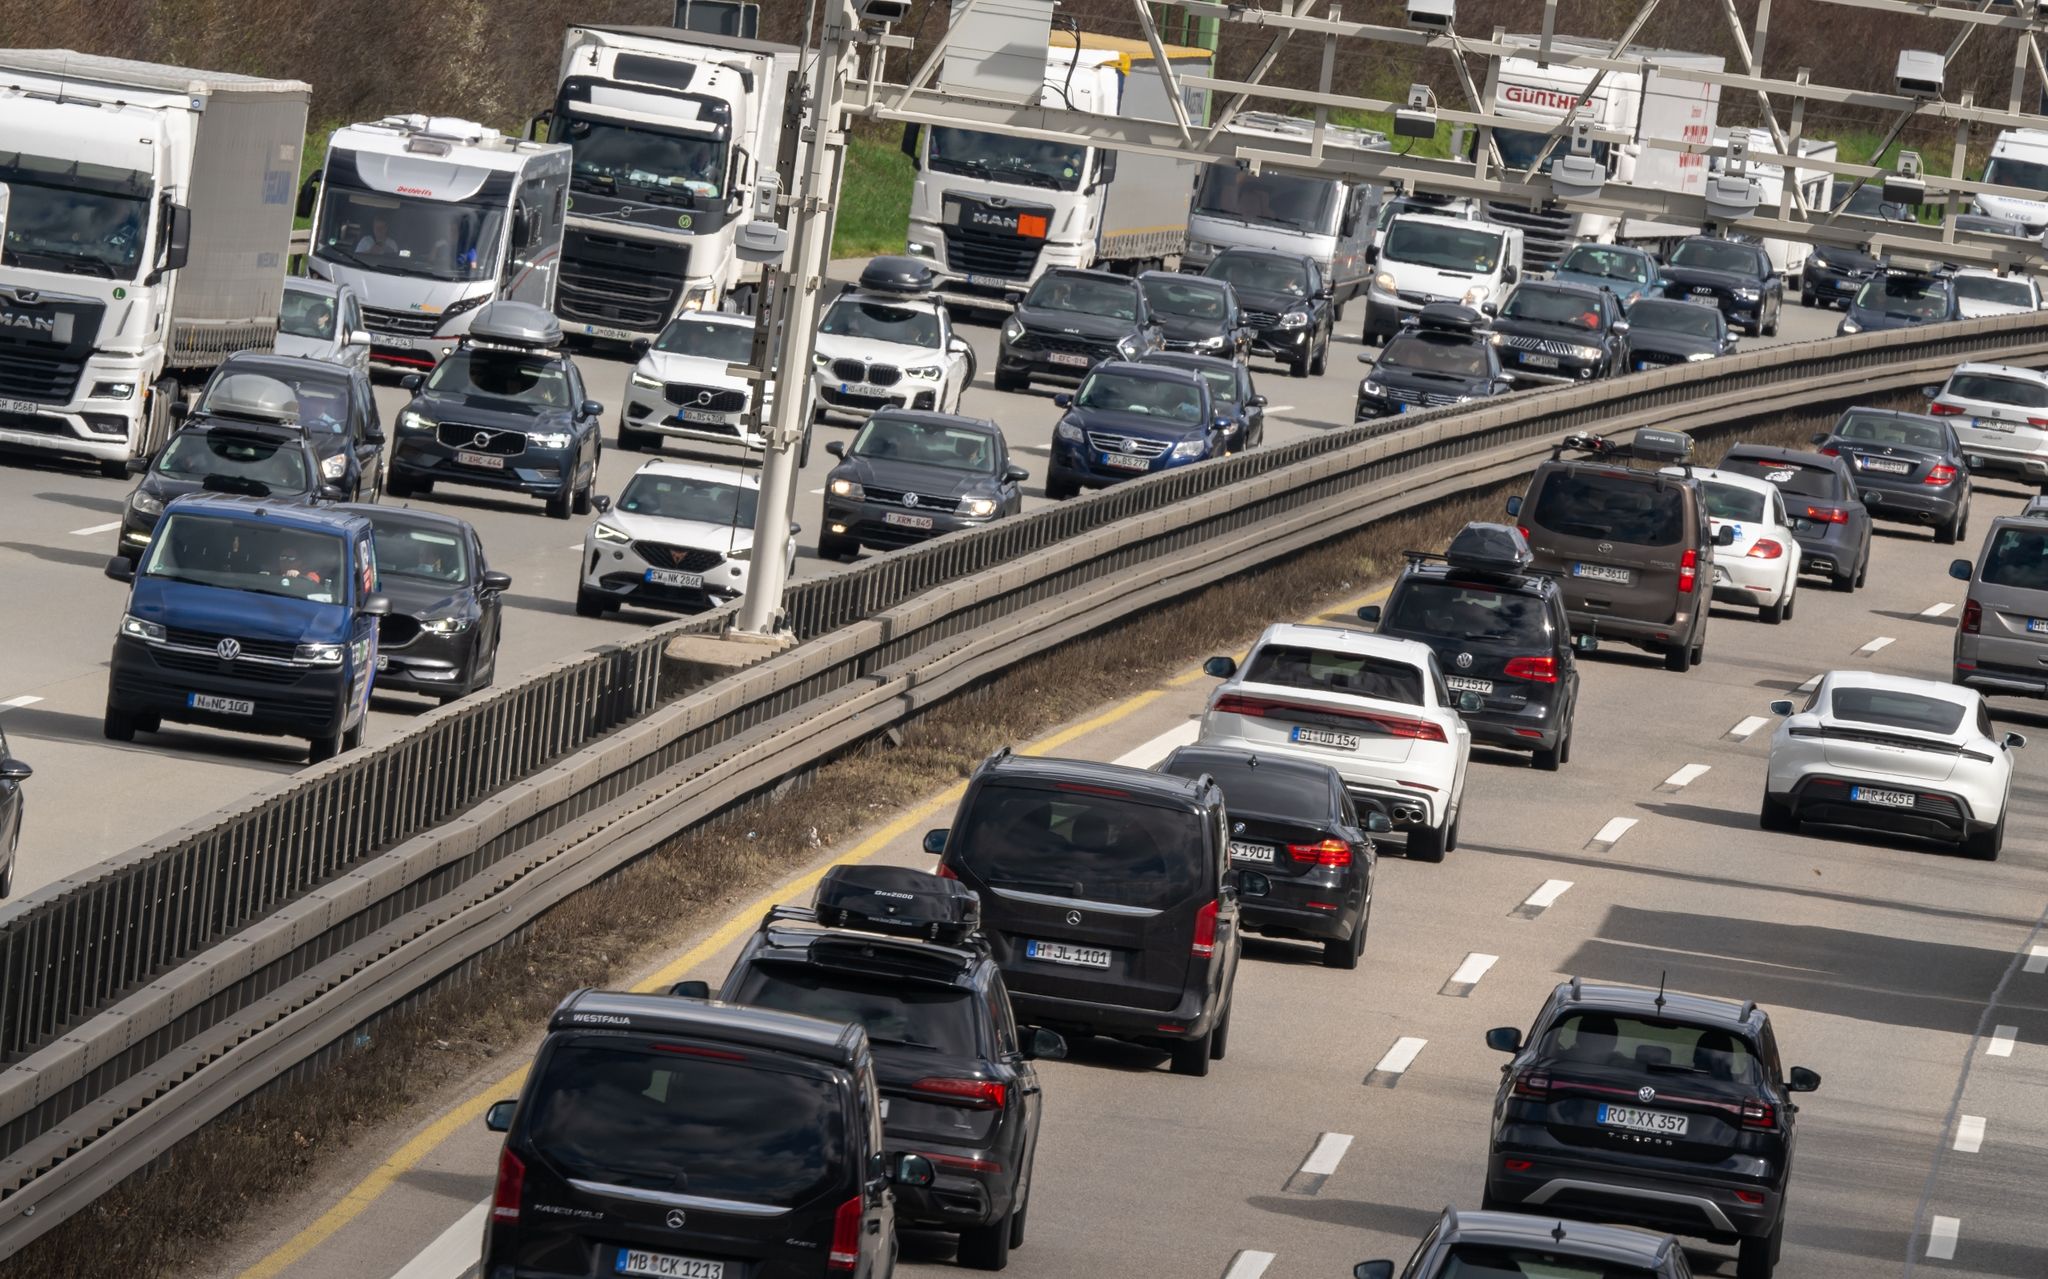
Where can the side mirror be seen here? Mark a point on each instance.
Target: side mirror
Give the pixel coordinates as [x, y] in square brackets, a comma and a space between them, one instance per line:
[376, 606]
[1783, 706]
[591, 408]
[1504, 1039]
[1489, 310]
[958, 344]
[837, 448]
[1257, 402]
[1252, 883]
[1041, 1044]
[935, 842]
[13, 770]
[639, 347]
[601, 503]
[373, 436]
[121, 569]
[493, 580]
[1015, 474]
[1586, 643]
[911, 1170]
[178, 239]
[1974, 462]
[1802, 1080]
[1471, 703]
[911, 134]
[1621, 328]
[137, 465]
[1371, 613]
[1930, 391]
[1725, 535]
[1819, 438]
[1325, 293]
[412, 381]
[309, 194]
[1372, 254]
[691, 990]
[180, 410]
[2014, 741]
[1220, 667]
[1222, 423]
[1959, 570]
[499, 1117]
[1514, 506]
[1733, 344]
[359, 337]
[1511, 275]
[1373, 1270]
[1063, 400]
[1365, 357]
[333, 493]
[1378, 823]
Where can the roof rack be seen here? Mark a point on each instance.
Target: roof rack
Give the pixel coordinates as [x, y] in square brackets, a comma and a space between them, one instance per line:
[1578, 992]
[1665, 448]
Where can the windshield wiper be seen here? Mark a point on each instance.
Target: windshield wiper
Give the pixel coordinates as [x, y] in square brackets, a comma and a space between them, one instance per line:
[341, 254]
[179, 577]
[69, 263]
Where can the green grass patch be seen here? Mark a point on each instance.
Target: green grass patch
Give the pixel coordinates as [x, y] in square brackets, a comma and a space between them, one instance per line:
[874, 199]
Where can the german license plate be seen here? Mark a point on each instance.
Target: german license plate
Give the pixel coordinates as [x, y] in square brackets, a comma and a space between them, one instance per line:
[861, 388]
[1059, 952]
[1536, 359]
[1992, 424]
[2037, 626]
[1661, 1122]
[1127, 461]
[705, 416]
[489, 462]
[672, 577]
[1251, 852]
[632, 1261]
[1306, 736]
[383, 662]
[1603, 573]
[219, 705]
[1885, 465]
[1881, 798]
[900, 520]
[1065, 357]
[1467, 684]
[986, 281]
[18, 406]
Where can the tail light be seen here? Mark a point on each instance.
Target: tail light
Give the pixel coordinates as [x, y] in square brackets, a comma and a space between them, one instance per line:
[1417, 730]
[1754, 1198]
[1205, 931]
[1828, 514]
[1759, 1116]
[1533, 1084]
[1239, 704]
[1540, 670]
[1264, 707]
[1688, 571]
[2037, 421]
[845, 1253]
[947, 872]
[1941, 474]
[1973, 617]
[511, 1186]
[1831, 451]
[1524, 532]
[1943, 410]
[1330, 852]
[1766, 549]
[982, 1094]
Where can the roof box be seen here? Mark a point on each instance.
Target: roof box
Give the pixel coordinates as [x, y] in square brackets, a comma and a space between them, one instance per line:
[1449, 316]
[515, 326]
[901, 275]
[892, 899]
[1670, 447]
[1490, 548]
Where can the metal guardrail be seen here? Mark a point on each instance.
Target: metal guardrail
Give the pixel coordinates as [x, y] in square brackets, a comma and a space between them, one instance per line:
[139, 999]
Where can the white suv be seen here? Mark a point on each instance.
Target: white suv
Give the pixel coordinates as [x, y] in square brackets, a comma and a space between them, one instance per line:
[680, 539]
[684, 385]
[2001, 417]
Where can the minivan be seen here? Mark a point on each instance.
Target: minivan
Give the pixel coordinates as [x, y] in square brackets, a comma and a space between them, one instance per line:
[1107, 898]
[2002, 639]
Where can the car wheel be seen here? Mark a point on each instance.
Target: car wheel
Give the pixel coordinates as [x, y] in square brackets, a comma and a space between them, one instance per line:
[580, 504]
[352, 739]
[1488, 1203]
[589, 604]
[1344, 955]
[1298, 366]
[1678, 659]
[1059, 490]
[986, 1247]
[1012, 381]
[398, 486]
[1757, 1255]
[1426, 844]
[1771, 329]
[1863, 570]
[7, 881]
[837, 548]
[1950, 531]
[1219, 1038]
[1843, 582]
[118, 725]
[635, 442]
[1321, 363]
[321, 749]
[1774, 614]
[1022, 1210]
[1699, 651]
[1776, 814]
[1805, 296]
[1984, 845]
[1551, 759]
[558, 505]
[1191, 1056]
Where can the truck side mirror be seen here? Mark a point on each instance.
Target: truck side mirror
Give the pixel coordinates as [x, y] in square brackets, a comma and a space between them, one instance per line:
[1511, 275]
[376, 606]
[177, 242]
[911, 135]
[1105, 168]
[309, 194]
[538, 126]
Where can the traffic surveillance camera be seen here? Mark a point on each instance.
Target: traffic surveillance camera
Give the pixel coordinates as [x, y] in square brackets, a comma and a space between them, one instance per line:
[881, 13]
[1418, 118]
[1731, 196]
[1904, 184]
[1577, 174]
[1738, 151]
[1920, 73]
[1432, 15]
[762, 242]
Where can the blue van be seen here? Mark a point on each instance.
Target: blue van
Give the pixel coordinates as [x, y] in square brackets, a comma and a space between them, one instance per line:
[249, 615]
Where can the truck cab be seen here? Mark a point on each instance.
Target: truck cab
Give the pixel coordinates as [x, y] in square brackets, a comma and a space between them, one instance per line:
[1427, 259]
[2019, 158]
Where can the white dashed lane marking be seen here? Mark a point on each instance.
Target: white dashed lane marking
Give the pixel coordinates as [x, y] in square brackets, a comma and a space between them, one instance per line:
[1396, 1063]
[1941, 1238]
[453, 1253]
[1970, 1134]
[2037, 960]
[1935, 610]
[1882, 641]
[1248, 1264]
[1542, 899]
[1684, 777]
[95, 530]
[1462, 981]
[1610, 833]
[1810, 685]
[1746, 726]
[2001, 1041]
[1154, 753]
[1321, 1162]
[14, 703]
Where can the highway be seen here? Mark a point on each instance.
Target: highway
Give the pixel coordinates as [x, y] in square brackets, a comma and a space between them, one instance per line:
[1353, 1106]
[58, 523]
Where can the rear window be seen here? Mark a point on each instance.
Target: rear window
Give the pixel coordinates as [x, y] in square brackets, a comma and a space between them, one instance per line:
[1641, 512]
[1640, 1043]
[1879, 428]
[1790, 477]
[1095, 847]
[1273, 792]
[1508, 1261]
[1893, 708]
[893, 1013]
[2018, 557]
[1320, 671]
[1992, 389]
[1733, 502]
[631, 1113]
[1472, 612]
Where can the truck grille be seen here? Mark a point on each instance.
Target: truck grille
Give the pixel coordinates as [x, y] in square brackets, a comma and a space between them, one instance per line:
[1546, 233]
[481, 439]
[975, 252]
[721, 399]
[925, 502]
[34, 371]
[862, 371]
[620, 283]
[1134, 445]
[400, 323]
[689, 559]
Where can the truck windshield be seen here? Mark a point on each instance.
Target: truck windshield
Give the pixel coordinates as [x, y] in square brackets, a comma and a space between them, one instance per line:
[707, 340]
[2008, 171]
[1447, 248]
[649, 164]
[74, 217]
[394, 234]
[1275, 199]
[1519, 148]
[235, 463]
[1001, 159]
[243, 555]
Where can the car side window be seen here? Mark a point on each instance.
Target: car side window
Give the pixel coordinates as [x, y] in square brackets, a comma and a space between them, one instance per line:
[999, 1017]
[1984, 721]
[1767, 1050]
[1436, 680]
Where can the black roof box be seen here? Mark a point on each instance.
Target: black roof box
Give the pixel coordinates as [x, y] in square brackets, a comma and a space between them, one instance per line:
[901, 275]
[1653, 445]
[1450, 316]
[1491, 548]
[899, 901]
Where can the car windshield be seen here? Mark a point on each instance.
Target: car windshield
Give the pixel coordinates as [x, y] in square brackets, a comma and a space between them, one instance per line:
[234, 463]
[1447, 248]
[1169, 399]
[1640, 512]
[1716, 255]
[393, 234]
[1904, 297]
[1323, 671]
[1183, 296]
[1553, 306]
[1422, 606]
[954, 448]
[1683, 318]
[1732, 501]
[1297, 793]
[686, 497]
[1101, 846]
[320, 391]
[1606, 264]
[1895, 708]
[1522, 1261]
[2002, 290]
[1113, 299]
[873, 321]
[240, 555]
[1790, 477]
[2017, 557]
[1886, 428]
[306, 314]
[500, 375]
[716, 1126]
[1256, 274]
[2019, 393]
[1272, 199]
[1030, 162]
[72, 216]
[1424, 353]
[1601, 1039]
[424, 554]
[892, 1011]
[2006, 171]
[707, 340]
[642, 163]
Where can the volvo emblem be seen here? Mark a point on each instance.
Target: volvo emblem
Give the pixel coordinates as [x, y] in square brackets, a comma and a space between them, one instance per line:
[229, 649]
[704, 398]
[675, 1219]
[1605, 548]
[1646, 1093]
[482, 438]
[1074, 918]
[1464, 661]
[910, 499]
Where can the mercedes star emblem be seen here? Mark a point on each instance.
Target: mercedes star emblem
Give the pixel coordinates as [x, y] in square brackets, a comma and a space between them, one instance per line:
[1646, 1093]
[1074, 918]
[910, 499]
[1464, 661]
[482, 438]
[704, 398]
[229, 649]
[675, 1219]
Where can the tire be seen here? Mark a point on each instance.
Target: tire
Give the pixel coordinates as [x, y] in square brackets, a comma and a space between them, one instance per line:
[1950, 532]
[118, 725]
[1426, 844]
[1775, 614]
[1985, 845]
[1697, 653]
[1343, 955]
[1060, 490]
[321, 749]
[352, 739]
[1777, 815]
[558, 505]
[637, 442]
[114, 470]
[986, 1247]
[1012, 381]
[1842, 583]
[1321, 363]
[1550, 760]
[1806, 298]
[589, 604]
[1219, 1038]
[580, 502]
[1863, 570]
[1771, 329]
[1298, 367]
[7, 882]
[1021, 1209]
[1191, 1056]
[397, 485]
[1487, 1203]
[1678, 659]
[1757, 1255]
[836, 548]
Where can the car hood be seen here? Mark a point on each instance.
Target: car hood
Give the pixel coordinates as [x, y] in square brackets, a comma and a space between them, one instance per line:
[1713, 279]
[246, 614]
[498, 414]
[933, 481]
[1622, 288]
[415, 597]
[1074, 323]
[840, 347]
[1184, 328]
[1571, 334]
[1413, 277]
[1397, 378]
[165, 488]
[1114, 422]
[702, 534]
[1844, 259]
[1275, 302]
[671, 366]
[1665, 342]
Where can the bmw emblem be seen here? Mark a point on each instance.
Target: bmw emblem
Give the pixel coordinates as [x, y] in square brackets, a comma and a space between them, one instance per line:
[229, 649]
[1464, 661]
[910, 499]
[1074, 918]
[1646, 1093]
[675, 1219]
[1238, 829]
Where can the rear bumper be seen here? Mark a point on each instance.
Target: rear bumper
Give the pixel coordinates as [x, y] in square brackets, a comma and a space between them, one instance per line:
[1921, 504]
[1698, 1206]
[2014, 461]
[1760, 583]
[1533, 728]
[1287, 911]
[1195, 1015]
[1990, 677]
[1406, 805]
[960, 1197]
[1831, 556]
[1939, 813]
[1654, 635]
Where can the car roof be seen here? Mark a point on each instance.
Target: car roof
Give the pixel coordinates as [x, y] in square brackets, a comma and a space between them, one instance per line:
[1286, 766]
[1159, 372]
[1086, 273]
[1903, 415]
[699, 471]
[311, 519]
[1777, 453]
[1190, 360]
[272, 362]
[1678, 1005]
[418, 517]
[2004, 370]
[1734, 479]
[1566, 286]
[1584, 1238]
[925, 417]
[1137, 781]
[836, 1043]
[1940, 691]
[1337, 639]
[1253, 251]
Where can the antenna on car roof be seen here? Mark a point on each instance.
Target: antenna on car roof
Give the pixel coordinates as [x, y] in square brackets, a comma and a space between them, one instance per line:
[1661, 977]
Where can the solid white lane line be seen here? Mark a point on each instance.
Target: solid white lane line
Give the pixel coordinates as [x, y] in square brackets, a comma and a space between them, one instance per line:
[1547, 895]
[2037, 960]
[2001, 1041]
[1970, 1134]
[1687, 775]
[1279, 408]
[1935, 610]
[1330, 1148]
[1401, 1056]
[1155, 751]
[13, 703]
[1473, 969]
[1809, 685]
[1747, 725]
[1248, 1264]
[1941, 1238]
[453, 1253]
[1613, 830]
[96, 529]
[1882, 641]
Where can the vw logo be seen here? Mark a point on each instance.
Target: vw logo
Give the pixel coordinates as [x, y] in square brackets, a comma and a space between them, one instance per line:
[229, 649]
[1646, 1093]
[1605, 548]
[910, 499]
[1464, 661]
[482, 438]
[704, 397]
[675, 1219]
[1130, 445]
[1074, 918]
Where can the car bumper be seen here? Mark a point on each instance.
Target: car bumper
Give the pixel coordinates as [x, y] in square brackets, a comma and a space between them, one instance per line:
[1193, 1016]
[1823, 795]
[870, 524]
[1746, 581]
[143, 681]
[1533, 726]
[429, 664]
[622, 577]
[649, 414]
[1830, 555]
[536, 472]
[1656, 635]
[1920, 504]
[1038, 362]
[1303, 909]
[1405, 802]
[910, 393]
[1281, 344]
[1732, 309]
[1831, 287]
[1993, 677]
[2022, 458]
[1083, 466]
[961, 1195]
[1696, 1206]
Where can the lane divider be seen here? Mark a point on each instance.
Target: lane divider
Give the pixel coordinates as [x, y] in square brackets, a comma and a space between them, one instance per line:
[1746, 726]
[1684, 777]
[1809, 685]
[2002, 1041]
[1248, 1264]
[1542, 899]
[2037, 960]
[454, 1253]
[1941, 1238]
[1396, 1063]
[1610, 834]
[1882, 641]
[16, 703]
[95, 530]
[1321, 1163]
[1935, 610]
[1153, 753]
[1970, 1134]
[1468, 974]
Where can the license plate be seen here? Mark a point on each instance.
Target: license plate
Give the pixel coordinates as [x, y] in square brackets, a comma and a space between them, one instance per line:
[706, 416]
[1884, 464]
[861, 388]
[1065, 357]
[1702, 291]
[219, 705]
[900, 520]
[488, 461]
[1881, 798]
[1539, 360]
[987, 281]
[671, 577]
[2037, 626]
[1251, 853]
[1661, 1122]
[1307, 736]
[1992, 424]
[18, 406]
[1602, 573]
[632, 1261]
[1127, 461]
[617, 335]
[1642, 365]
[1467, 684]
[1059, 952]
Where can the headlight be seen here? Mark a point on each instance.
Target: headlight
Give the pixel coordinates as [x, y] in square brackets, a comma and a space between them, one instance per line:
[1068, 432]
[697, 299]
[1370, 387]
[1191, 448]
[1588, 353]
[414, 420]
[445, 625]
[321, 654]
[645, 382]
[141, 629]
[740, 553]
[549, 440]
[1747, 295]
[1127, 346]
[1013, 328]
[145, 503]
[1464, 399]
[1850, 326]
[112, 390]
[820, 361]
[335, 467]
[929, 372]
[848, 488]
[1474, 296]
[1384, 282]
[1213, 344]
[1294, 320]
[606, 533]
[1699, 355]
[978, 506]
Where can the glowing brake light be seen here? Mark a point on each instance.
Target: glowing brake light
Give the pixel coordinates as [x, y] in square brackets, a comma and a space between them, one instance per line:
[1828, 514]
[1688, 571]
[983, 1094]
[845, 1254]
[1540, 670]
[511, 1187]
[1973, 617]
[1205, 931]
[1765, 549]
[1330, 852]
[1942, 473]
[1267, 708]
[1943, 410]
[1760, 1116]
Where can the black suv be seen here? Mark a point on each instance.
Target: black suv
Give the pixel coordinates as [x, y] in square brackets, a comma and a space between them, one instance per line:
[666, 1136]
[1071, 321]
[1832, 275]
[1734, 275]
[336, 408]
[898, 952]
[1562, 333]
[1196, 313]
[1499, 629]
[1901, 298]
[241, 455]
[1667, 1111]
[1443, 355]
[1107, 898]
[1472, 1244]
[1286, 303]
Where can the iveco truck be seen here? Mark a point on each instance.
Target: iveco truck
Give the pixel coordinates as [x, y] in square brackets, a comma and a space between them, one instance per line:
[428, 218]
[149, 214]
[676, 136]
[991, 213]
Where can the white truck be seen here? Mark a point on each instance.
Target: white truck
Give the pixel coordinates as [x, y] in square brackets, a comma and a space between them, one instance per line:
[149, 218]
[676, 136]
[1767, 172]
[2019, 158]
[992, 213]
[1327, 219]
[1640, 103]
[428, 218]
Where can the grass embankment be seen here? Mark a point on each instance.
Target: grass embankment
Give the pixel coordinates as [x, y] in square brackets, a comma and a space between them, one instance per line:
[874, 199]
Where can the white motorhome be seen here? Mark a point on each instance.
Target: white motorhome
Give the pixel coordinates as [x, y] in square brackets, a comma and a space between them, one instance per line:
[2019, 158]
[1767, 172]
[427, 219]
[149, 215]
[1426, 258]
[674, 134]
[1327, 219]
[991, 213]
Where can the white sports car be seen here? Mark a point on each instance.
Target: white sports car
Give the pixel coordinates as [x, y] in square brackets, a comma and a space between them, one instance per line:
[1372, 707]
[1761, 566]
[1888, 753]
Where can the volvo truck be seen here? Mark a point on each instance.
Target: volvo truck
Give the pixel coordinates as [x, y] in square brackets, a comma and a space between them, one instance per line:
[992, 213]
[149, 215]
[676, 137]
[429, 217]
